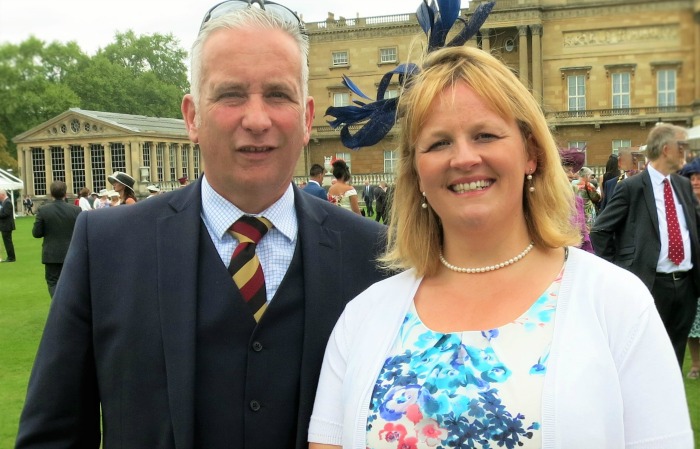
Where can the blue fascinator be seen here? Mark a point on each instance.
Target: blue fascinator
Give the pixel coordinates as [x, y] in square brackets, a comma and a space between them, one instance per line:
[691, 168]
[379, 115]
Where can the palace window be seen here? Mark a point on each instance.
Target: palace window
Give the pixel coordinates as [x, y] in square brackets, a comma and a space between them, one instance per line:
[195, 160]
[160, 150]
[621, 90]
[387, 55]
[340, 58]
[185, 159]
[58, 164]
[346, 158]
[341, 99]
[666, 87]
[581, 145]
[391, 93]
[577, 92]
[97, 157]
[39, 171]
[77, 165]
[146, 154]
[118, 157]
[391, 158]
[620, 143]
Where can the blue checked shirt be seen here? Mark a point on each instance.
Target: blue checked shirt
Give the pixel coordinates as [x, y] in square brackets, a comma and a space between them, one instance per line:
[276, 248]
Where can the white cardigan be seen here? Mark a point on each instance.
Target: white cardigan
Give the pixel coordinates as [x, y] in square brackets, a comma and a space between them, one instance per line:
[612, 378]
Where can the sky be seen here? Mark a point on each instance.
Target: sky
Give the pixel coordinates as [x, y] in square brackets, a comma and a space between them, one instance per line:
[93, 23]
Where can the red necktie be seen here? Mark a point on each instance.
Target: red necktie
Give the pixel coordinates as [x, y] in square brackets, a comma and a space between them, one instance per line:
[675, 242]
[245, 266]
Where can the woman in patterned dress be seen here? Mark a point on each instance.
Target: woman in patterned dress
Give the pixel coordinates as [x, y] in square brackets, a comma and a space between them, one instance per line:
[692, 171]
[494, 336]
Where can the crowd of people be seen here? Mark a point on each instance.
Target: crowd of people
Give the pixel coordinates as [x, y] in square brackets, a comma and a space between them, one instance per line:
[249, 313]
[341, 192]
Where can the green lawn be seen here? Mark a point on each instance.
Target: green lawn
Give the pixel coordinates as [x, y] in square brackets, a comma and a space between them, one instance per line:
[24, 302]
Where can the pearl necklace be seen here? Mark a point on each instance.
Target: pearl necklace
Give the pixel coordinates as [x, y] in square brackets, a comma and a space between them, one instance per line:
[498, 266]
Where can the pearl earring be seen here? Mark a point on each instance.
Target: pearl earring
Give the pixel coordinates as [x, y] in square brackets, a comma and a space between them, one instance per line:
[529, 179]
[424, 204]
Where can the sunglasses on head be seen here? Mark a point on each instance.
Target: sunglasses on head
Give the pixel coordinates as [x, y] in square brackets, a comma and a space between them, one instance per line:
[273, 8]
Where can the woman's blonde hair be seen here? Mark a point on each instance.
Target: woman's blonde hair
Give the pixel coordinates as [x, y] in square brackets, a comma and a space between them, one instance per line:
[415, 234]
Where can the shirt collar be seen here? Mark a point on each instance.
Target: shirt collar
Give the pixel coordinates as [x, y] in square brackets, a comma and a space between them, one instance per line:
[221, 213]
[656, 176]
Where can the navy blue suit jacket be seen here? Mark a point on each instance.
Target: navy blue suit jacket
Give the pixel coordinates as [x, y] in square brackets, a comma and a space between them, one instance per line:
[608, 191]
[123, 321]
[314, 189]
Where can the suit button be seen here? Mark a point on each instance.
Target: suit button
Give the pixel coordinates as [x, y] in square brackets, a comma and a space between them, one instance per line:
[254, 405]
[257, 346]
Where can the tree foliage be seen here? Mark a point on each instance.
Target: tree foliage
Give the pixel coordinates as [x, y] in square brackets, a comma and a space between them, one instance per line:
[143, 75]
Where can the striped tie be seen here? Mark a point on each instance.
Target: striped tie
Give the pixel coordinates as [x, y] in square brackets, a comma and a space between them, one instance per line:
[245, 266]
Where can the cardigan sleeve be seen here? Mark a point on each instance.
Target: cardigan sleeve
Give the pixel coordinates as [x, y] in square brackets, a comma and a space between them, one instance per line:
[326, 424]
[655, 409]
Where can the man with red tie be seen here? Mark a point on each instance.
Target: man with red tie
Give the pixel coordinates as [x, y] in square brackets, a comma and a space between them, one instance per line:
[650, 227]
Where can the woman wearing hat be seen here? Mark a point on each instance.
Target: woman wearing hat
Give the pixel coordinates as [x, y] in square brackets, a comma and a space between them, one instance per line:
[124, 185]
[461, 349]
[692, 171]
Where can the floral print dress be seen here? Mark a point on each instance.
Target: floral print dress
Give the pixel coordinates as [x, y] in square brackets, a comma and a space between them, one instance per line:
[473, 389]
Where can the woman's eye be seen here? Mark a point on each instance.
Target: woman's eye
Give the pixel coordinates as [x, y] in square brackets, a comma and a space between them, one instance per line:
[439, 144]
[486, 137]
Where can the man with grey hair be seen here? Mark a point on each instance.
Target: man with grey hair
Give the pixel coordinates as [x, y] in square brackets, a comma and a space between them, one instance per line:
[650, 227]
[214, 332]
[7, 225]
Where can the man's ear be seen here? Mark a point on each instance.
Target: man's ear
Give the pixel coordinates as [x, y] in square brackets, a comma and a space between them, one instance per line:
[189, 113]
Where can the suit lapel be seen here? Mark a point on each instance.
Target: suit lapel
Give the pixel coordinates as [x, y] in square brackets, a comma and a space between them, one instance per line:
[178, 248]
[321, 252]
[648, 192]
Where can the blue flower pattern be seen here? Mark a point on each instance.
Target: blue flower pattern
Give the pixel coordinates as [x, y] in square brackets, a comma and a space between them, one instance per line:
[461, 390]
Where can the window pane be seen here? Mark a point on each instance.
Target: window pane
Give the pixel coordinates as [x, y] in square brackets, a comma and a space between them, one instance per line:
[346, 158]
[341, 99]
[340, 58]
[577, 92]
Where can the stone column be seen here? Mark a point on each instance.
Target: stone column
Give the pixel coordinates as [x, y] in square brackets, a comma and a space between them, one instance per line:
[166, 162]
[49, 167]
[87, 154]
[696, 35]
[190, 161]
[107, 148]
[522, 51]
[69, 168]
[536, 31]
[486, 39]
[133, 158]
[178, 160]
[152, 158]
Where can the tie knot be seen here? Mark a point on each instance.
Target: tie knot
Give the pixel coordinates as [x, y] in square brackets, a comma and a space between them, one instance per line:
[250, 229]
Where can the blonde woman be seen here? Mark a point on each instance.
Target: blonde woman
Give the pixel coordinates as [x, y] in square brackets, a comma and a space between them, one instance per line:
[493, 336]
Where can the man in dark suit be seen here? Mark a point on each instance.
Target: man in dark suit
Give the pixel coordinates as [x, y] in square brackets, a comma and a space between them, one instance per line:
[625, 164]
[170, 351]
[380, 198]
[7, 225]
[368, 198]
[650, 227]
[55, 222]
[315, 179]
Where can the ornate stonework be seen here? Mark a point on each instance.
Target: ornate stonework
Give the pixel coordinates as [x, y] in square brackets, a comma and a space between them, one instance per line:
[618, 36]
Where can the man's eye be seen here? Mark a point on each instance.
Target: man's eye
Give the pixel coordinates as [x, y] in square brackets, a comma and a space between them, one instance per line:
[281, 95]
